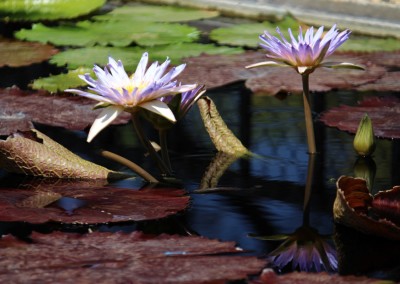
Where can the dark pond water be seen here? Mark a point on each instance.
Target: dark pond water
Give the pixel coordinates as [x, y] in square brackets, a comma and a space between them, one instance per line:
[260, 196]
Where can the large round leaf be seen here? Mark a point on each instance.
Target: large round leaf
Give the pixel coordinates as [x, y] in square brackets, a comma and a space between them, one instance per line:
[371, 44]
[130, 56]
[110, 33]
[152, 13]
[33, 10]
[247, 34]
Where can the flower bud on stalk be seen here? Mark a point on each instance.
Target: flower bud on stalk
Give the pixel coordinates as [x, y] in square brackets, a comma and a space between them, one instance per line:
[364, 141]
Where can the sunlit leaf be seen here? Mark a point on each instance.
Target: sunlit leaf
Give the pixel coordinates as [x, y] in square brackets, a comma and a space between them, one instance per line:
[87, 202]
[247, 34]
[20, 108]
[110, 33]
[18, 53]
[130, 56]
[122, 258]
[61, 82]
[383, 111]
[44, 157]
[370, 44]
[354, 203]
[33, 10]
[223, 138]
[155, 13]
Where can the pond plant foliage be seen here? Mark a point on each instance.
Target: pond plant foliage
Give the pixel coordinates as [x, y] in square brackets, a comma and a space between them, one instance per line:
[128, 86]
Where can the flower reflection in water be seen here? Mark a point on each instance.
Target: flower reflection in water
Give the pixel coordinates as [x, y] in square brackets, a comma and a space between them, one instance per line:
[305, 248]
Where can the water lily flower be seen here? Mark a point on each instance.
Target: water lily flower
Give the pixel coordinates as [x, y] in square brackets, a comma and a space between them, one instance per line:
[305, 249]
[306, 53]
[364, 140]
[118, 92]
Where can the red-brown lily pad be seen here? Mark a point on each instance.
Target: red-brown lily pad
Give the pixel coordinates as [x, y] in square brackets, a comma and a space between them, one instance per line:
[268, 276]
[354, 207]
[20, 53]
[88, 203]
[122, 258]
[19, 108]
[383, 111]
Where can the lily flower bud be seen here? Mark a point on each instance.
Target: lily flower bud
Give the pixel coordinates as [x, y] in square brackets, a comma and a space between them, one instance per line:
[364, 141]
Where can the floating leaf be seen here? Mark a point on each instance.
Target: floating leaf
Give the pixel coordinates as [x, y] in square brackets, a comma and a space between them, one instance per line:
[153, 13]
[122, 258]
[353, 204]
[33, 10]
[85, 202]
[222, 137]
[130, 56]
[57, 83]
[110, 33]
[18, 53]
[383, 112]
[247, 34]
[46, 158]
[370, 44]
[19, 108]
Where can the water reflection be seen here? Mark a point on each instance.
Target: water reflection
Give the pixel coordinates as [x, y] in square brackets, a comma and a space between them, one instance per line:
[305, 249]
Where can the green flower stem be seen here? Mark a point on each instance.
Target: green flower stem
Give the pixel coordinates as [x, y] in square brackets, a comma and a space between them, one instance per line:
[146, 143]
[164, 148]
[308, 115]
[308, 189]
[134, 167]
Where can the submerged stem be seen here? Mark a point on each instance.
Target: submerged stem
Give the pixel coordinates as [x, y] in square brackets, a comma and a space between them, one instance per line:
[133, 166]
[147, 145]
[164, 148]
[308, 115]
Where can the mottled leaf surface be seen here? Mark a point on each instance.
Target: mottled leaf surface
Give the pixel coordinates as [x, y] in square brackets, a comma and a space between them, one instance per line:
[155, 13]
[19, 108]
[33, 10]
[383, 111]
[19, 53]
[122, 258]
[36, 154]
[85, 202]
[354, 204]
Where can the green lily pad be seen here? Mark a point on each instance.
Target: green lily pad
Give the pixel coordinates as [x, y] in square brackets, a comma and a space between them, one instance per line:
[33, 10]
[247, 34]
[110, 33]
[130, 56]
[61, 82]
[151, 13]
[370, 44]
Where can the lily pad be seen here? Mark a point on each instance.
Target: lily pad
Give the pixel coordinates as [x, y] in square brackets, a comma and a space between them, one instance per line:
[122, 258]
[57, 83]
[36, 154]
[88, 203]
[370, 44]
[18, 53]
[110, 33]
[247, 34]
[383, 111]
[155, 13]
[353, 206]
[33, 10]
[20, 108]
[130, 56]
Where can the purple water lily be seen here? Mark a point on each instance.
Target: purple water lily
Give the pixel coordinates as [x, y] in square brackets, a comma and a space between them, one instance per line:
[117, 92]
[306, 53]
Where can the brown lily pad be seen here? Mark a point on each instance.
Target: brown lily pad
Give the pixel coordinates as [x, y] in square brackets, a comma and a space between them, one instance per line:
[19, 108]
[21, 53]
[354, 207]
[268, 276]
[88, 203]
[122, 258]
[383, 111]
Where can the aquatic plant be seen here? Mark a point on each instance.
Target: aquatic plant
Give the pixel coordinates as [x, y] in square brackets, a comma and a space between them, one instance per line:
[305, 54]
